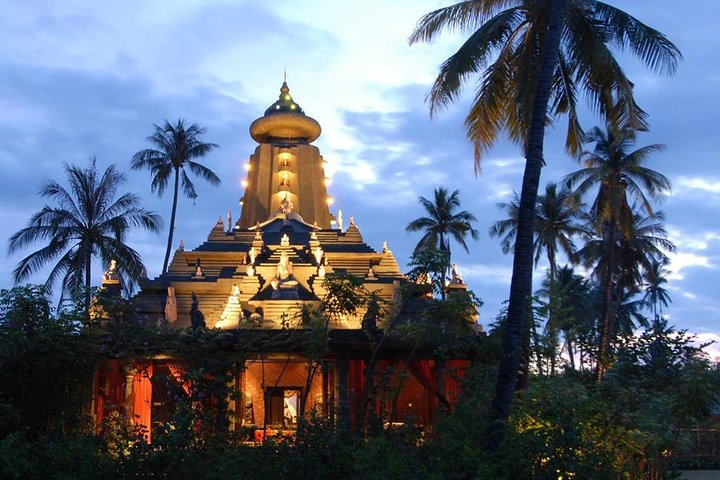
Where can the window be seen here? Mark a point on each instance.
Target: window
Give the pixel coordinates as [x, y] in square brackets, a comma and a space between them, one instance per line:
[282, 406]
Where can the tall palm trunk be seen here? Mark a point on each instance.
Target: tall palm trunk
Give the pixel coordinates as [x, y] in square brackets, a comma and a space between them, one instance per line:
[444, 248]
[551, 310]
[521, 284]
[607, 311]
[88, 271]
[172, 220]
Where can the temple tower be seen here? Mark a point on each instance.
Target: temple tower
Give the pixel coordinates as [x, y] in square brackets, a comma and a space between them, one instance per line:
[285, 166]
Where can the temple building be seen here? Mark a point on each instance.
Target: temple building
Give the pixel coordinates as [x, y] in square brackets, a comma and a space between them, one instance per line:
[259, 271]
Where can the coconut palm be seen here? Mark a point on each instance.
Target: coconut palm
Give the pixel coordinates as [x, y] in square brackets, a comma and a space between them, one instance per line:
[87, 222]
[556, 215]
[443, 223]
[570, 301]
[543, 53]
[620, 178]
[656, 296]
[177, 147]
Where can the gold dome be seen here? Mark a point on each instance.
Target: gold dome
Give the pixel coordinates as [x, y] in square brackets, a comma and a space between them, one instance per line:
[285, 120]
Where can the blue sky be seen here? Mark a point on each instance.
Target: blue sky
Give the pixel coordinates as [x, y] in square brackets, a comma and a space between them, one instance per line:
[82, 78]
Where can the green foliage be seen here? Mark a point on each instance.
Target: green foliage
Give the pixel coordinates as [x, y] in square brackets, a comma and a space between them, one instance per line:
[345, 294]
[46, 365]
[430, 267]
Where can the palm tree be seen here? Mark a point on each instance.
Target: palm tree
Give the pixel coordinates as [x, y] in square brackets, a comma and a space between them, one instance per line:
[177, 146]
[570, 301]
[87, 222]
[442, 223]
[555, 224]
[656, 296]
[620, 176]
[545, 52]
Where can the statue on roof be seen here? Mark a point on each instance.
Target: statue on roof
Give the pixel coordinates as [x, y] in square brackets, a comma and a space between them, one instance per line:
[111, 275]
[284, 283]
[197, 319]
[286, 205]
[456, 278]
[340, 220]
[198, 270]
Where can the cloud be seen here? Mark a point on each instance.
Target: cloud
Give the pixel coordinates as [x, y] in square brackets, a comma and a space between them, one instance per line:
[696, 185]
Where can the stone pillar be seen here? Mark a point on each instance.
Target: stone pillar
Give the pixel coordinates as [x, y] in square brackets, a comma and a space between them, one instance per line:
[343, 372]
[129, 398]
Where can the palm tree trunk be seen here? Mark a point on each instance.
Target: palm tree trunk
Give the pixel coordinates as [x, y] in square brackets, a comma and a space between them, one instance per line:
[607, 302]
[521, 284]
[88, 271]
[551, 311]
[172, 220]
[443, 276]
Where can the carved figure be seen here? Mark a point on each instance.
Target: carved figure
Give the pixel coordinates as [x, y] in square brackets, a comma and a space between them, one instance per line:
[111, 273]
[197, 319]
[285, 240]
[284, 284]
[318, 253]
[252, 253]
[198, 269]
[340, 220]
[181, 247]
[287, 205]
[251, 271]
[456, 277]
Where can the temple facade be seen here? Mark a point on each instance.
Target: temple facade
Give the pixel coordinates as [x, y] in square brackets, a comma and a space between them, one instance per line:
[259, 271]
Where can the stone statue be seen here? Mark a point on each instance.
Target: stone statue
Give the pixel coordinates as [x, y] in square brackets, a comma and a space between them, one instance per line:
[318, 253]
[229, 221]
[370, 274]
[198, 270]
[284, 284]
[456, 277]
[285, 240]
[111, 273]
[181, 247]
[287, 205]
[385, 248]
[340, 220]
[252, 253]
[235, 290]
[197, 319]
[321, 271]
[250, 271]
[313, 234]
[352, 222]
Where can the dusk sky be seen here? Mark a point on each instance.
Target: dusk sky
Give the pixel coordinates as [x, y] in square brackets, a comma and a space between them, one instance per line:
[81, 78]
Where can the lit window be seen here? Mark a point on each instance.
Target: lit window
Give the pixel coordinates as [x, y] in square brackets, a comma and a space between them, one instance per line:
[282, 406]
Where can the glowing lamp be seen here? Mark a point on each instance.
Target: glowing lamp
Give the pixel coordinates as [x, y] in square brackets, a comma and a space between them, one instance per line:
[330, 200]
[247, 166]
